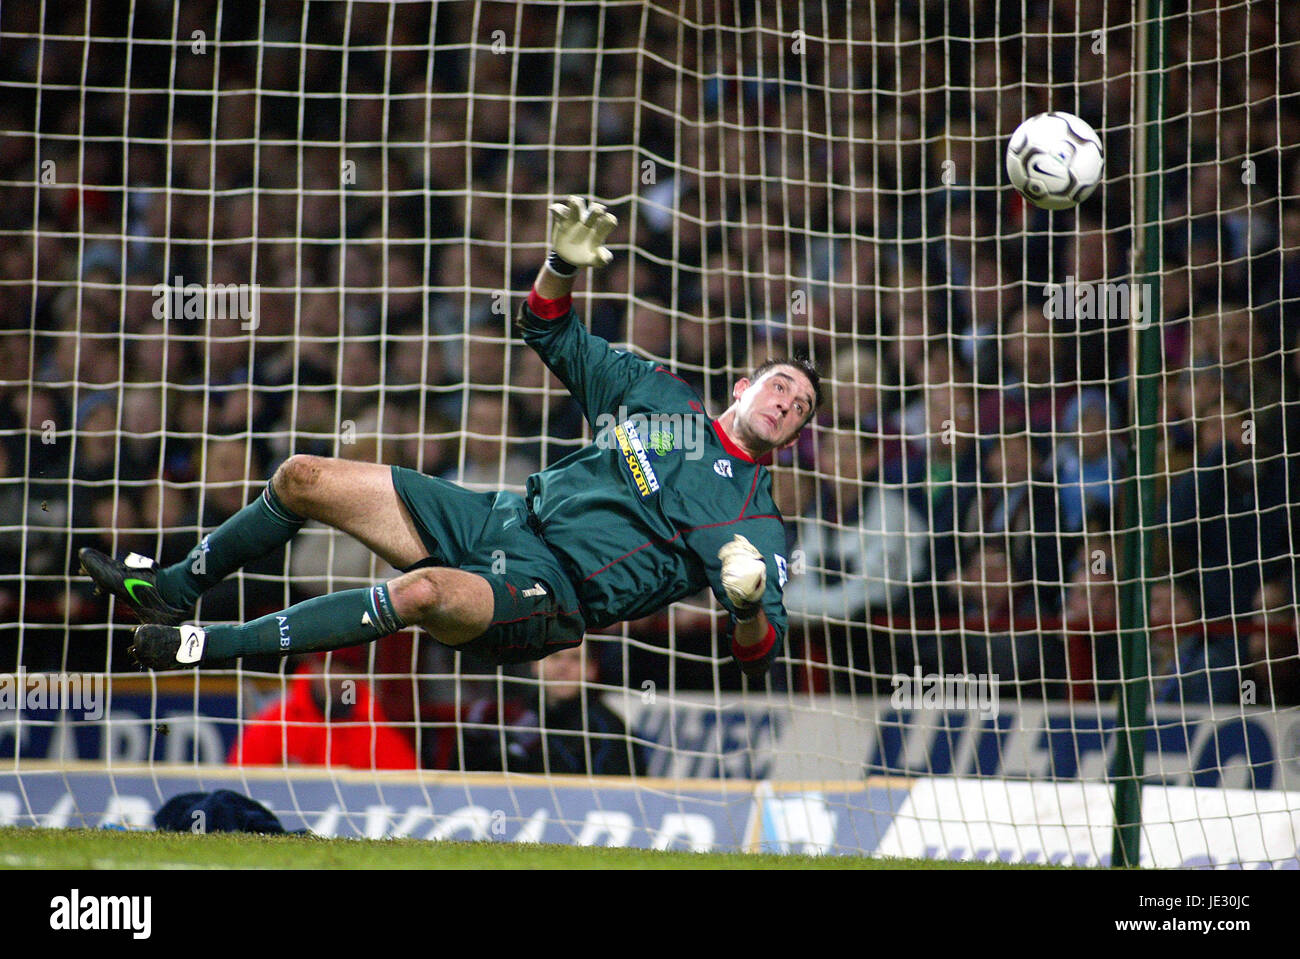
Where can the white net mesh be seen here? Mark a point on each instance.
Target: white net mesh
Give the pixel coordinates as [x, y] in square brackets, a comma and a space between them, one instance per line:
[237, 231]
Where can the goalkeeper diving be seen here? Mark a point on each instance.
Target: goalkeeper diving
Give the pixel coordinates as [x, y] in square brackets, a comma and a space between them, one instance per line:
[615, 531]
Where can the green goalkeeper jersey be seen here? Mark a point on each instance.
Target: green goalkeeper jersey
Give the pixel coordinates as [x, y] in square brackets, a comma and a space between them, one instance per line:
[637, 517]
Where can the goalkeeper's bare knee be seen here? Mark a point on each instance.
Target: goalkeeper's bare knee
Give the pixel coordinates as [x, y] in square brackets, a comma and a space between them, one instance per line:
[455, 606]
[297, 482]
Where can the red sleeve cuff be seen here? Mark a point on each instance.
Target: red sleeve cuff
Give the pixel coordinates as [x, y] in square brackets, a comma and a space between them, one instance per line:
[549, 309]
[747, 654]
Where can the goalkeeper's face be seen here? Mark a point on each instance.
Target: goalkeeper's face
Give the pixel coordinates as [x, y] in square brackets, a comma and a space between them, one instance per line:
[773, 409]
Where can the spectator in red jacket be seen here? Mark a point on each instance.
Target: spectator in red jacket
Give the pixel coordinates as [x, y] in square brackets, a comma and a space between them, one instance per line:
[296, 732]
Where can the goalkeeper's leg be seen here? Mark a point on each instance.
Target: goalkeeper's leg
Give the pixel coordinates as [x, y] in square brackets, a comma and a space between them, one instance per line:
[357, 498]
[455, 606]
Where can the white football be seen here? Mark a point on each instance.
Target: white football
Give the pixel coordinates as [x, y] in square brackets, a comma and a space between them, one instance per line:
[1055, 160]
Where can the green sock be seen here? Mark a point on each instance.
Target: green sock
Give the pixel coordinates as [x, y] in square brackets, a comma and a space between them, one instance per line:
[347, 618]
[261, 527]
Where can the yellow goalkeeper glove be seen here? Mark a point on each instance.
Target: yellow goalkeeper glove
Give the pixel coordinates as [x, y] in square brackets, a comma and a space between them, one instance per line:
[579, 231]
[744, 576]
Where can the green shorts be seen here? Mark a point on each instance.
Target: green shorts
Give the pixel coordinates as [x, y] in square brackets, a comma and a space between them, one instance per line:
[535, 609]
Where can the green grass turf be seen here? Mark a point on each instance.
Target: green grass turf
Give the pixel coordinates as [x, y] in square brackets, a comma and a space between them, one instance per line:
[29, 848]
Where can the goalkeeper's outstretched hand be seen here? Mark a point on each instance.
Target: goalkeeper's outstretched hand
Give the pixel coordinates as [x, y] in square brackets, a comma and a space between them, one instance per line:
[579, 231]
[744, 575]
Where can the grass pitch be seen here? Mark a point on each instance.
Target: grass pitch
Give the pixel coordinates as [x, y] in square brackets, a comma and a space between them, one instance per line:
[90, 849]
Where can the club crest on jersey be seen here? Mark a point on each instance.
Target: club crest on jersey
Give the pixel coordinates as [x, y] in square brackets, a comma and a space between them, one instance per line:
[723, 468]
[660, 442]
[634, 454]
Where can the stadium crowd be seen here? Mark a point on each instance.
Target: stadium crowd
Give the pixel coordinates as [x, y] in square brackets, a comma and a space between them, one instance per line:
[959, 505]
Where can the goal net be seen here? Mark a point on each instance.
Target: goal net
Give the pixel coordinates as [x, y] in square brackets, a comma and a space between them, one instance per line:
[1041, 551]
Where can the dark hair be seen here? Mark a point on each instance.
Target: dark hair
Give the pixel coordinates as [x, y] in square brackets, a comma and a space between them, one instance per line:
[804, 366]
